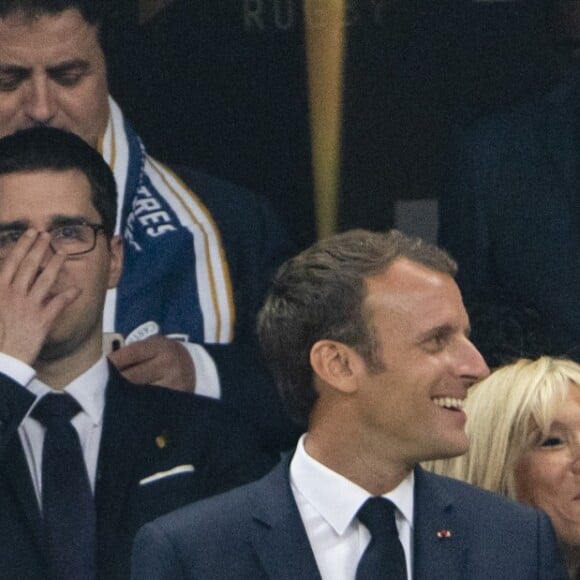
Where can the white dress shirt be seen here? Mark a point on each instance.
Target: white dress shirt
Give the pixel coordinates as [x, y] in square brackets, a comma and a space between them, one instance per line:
[207, 380]
[328, 504]
[88, 390]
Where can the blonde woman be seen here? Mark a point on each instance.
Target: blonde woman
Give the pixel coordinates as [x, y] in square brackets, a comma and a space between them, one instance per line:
[524, 427]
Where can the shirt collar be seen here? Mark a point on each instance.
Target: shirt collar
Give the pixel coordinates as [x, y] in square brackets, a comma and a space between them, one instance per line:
[87, 389]
[335, 497]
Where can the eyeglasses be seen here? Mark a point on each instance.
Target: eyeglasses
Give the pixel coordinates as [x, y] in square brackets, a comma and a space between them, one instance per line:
[70, 239]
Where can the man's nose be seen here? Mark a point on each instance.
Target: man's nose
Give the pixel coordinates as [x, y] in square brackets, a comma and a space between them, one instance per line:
[471, 363]
[41, 104]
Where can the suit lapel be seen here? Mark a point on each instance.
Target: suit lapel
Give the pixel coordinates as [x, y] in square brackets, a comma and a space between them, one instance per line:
[440, 537]
[279, 536]
[125, 423]
[18, 476]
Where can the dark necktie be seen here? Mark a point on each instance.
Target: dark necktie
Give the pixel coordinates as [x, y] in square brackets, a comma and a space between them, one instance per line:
[67, 501]
[384, 557]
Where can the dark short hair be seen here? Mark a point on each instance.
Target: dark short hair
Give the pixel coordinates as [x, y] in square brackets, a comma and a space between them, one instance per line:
[320, 294]
[93, 11]
[44, 148]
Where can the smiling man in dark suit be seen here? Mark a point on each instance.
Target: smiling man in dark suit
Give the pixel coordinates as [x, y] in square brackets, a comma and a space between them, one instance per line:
[368, 340]
[142, 451]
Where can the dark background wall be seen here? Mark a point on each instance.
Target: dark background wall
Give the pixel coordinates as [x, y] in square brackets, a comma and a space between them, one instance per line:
[222, 85]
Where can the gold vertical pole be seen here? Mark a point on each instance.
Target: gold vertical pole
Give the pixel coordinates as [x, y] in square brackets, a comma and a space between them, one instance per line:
[325, 44]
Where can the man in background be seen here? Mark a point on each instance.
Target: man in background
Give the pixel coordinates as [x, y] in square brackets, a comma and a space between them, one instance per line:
[199, 253]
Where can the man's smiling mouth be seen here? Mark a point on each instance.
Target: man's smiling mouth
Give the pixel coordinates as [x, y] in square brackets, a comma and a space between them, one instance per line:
[450, 403]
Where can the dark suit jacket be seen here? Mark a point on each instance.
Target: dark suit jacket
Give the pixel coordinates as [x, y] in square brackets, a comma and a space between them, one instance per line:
[256, 244]
[146, 430]
[255, 532]
[511, 216]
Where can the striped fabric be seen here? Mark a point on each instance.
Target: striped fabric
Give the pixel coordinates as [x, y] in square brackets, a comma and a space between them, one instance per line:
[176, 274]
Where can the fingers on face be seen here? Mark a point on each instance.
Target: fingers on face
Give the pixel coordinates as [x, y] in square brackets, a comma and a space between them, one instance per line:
[12, 264]
[60, 301]
[32, 267]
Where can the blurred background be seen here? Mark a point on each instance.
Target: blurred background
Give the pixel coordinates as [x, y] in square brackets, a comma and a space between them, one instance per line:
[340, 112]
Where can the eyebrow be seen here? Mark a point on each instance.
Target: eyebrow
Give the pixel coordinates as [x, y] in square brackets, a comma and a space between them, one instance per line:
[63, 67]
[14, 73]
[442, 330]
[13, 68]
[560, 425]
[16, 225]
[55, 222]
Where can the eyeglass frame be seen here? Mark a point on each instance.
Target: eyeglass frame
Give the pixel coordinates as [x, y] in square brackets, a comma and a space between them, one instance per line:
[95, 227]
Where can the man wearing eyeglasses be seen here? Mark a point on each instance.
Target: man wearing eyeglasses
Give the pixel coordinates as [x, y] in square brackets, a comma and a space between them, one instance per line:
[69, 235]
[199, 252]
[74, 491]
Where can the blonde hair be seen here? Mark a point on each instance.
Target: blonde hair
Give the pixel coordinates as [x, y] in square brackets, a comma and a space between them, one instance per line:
[507, 414]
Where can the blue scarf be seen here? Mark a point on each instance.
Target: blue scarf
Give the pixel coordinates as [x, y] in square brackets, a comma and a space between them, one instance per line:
[175, 278]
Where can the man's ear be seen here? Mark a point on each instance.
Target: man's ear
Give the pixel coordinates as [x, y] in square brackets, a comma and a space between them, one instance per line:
[116, 261]
[336, 364]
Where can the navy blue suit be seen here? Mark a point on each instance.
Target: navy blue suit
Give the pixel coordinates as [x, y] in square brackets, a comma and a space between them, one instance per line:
[511, 216]
[255, 244]
[255, 533]
[146, 431]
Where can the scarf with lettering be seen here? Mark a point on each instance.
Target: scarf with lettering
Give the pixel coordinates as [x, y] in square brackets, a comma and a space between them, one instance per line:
[175, 277]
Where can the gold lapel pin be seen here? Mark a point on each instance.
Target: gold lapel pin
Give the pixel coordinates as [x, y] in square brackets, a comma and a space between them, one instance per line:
[162, 440]
[444, 534]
